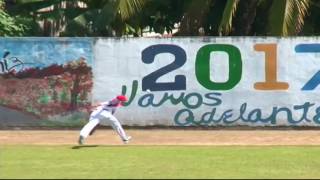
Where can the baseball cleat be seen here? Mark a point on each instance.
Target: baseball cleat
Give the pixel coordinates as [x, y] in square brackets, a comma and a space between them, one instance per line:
[126, 141]
[81, 140]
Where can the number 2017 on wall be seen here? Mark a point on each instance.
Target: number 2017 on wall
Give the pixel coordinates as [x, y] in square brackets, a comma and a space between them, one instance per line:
[202, 67]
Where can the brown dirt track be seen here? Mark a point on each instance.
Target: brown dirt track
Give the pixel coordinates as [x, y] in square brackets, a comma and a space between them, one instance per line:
[164, 137]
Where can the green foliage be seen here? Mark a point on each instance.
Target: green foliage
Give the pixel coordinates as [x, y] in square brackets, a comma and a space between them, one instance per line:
[44, 98]
[30, 109]
[161, 16]
[311, 26]
[10, 26]
[64, 95]
[3, 102]
[69, 19]
[55, 96]
[133, 17]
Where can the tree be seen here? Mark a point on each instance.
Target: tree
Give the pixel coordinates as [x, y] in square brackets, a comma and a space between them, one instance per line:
[78, 17]
[80, 75]
[9, 26]
[243, 23]
[311, 26]
[157, 16]
[285, 17]
[104, 18]
[123, 17]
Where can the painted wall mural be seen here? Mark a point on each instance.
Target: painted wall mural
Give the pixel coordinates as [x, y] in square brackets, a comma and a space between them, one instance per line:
[253, 81]
[45, 81]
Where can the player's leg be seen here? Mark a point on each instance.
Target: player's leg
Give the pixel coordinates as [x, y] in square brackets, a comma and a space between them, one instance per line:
[85, 131]
[117, 126]
[93, 130]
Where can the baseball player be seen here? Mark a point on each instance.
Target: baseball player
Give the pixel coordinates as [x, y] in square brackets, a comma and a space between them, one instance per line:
[102, 114]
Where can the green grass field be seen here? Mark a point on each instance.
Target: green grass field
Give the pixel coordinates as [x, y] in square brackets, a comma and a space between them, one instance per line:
[139, 162]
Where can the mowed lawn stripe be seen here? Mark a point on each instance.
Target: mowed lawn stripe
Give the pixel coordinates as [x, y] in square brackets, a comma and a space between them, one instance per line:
[67, 162]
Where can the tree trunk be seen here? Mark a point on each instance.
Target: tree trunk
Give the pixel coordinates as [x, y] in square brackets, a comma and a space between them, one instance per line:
[194, 18]
[74, 93]
[246, 16]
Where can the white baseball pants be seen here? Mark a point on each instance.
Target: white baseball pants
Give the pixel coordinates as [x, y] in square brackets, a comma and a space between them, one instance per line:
[102, 117]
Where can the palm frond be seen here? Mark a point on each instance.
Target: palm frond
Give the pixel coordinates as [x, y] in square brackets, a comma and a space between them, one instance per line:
[128, 8]
[106, 14]
[32, 6]
[228, 13]
[301, 7]
[287, 16]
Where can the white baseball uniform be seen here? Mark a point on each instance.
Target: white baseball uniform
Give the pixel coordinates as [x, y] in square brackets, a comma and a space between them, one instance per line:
[103, 114]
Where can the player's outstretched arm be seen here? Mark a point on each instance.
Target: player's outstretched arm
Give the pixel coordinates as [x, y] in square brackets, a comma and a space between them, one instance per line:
[94, 106]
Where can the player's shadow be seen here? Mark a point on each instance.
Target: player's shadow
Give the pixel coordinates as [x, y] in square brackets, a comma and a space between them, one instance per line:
[84, 146]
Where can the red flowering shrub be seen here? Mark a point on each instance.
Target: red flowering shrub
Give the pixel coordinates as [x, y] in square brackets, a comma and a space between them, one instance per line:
[53, 90]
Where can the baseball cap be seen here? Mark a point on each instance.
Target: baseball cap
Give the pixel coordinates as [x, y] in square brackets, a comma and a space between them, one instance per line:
[122, 98]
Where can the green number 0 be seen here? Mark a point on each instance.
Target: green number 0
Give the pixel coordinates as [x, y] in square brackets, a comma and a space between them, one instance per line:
[202, 66]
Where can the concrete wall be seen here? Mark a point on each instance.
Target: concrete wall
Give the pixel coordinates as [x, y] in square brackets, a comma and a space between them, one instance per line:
[206, 81]
[216, 81]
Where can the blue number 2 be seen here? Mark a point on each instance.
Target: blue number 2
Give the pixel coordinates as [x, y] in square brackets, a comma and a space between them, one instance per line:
[149, 81]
